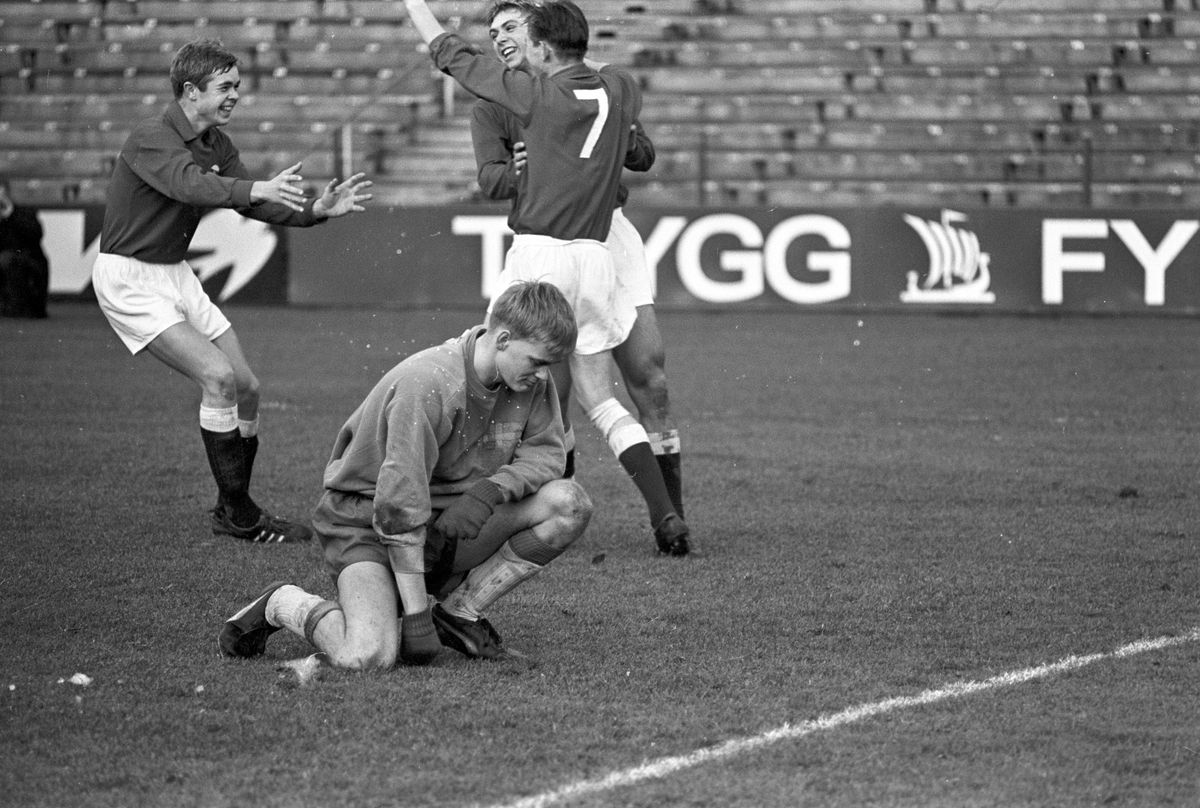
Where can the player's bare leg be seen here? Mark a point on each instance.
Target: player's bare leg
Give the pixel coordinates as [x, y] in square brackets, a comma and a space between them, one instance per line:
[515, 544]
[244, 379]
[184, 349]
[357, 632]
[363, 634]
[228, 426]
[247, 397]
[595, 385]
[642, 360]
[562, 384]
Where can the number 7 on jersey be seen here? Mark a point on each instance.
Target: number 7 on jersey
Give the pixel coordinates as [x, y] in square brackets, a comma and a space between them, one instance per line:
[601, 98]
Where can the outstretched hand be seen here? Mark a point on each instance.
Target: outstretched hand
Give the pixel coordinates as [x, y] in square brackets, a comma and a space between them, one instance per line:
[284, 188]
[339, 199]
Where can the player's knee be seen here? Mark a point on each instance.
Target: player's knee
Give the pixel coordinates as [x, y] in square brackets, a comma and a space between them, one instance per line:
[653, 385]
[575, 504]
[646, 371]
[368, 654]
[247, 394]
[655, 391]
[219, 379]
[570, 508]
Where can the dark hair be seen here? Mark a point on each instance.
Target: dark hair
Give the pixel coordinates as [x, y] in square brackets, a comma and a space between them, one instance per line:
[562, 26]
[538, 312]
[198, 60]
[494, 8]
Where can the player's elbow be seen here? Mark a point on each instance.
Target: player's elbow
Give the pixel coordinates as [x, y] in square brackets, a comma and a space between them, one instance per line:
[492, 188]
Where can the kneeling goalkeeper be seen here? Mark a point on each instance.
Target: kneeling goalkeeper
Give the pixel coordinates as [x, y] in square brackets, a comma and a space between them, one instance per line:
[444, 492]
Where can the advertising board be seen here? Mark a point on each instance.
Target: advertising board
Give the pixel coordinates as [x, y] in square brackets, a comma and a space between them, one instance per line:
[873, 258]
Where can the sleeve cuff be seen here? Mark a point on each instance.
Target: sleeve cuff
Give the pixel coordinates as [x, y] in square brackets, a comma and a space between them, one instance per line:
[241, 193]
[435, 49]
[407, 559]
[406, 551]
[487, 491]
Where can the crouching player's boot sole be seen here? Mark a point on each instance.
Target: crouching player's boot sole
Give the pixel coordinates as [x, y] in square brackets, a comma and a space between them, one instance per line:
[245, 634]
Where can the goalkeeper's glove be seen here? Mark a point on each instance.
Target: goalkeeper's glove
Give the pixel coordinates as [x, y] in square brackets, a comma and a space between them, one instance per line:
[466, 515]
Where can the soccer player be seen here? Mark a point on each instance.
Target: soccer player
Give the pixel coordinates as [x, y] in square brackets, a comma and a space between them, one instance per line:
[447, 480]
[171, 171]
[577, 125]
[641, 358]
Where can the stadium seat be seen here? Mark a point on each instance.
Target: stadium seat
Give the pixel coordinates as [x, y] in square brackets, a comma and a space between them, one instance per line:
[748, 101]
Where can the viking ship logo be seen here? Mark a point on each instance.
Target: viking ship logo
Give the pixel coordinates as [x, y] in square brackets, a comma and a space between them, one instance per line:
[958, 269]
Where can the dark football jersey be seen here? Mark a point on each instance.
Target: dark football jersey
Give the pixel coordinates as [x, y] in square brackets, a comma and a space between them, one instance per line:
[576, 125]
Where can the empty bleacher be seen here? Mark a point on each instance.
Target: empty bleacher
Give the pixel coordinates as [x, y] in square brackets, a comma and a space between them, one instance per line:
[931, 102]
[750, 102]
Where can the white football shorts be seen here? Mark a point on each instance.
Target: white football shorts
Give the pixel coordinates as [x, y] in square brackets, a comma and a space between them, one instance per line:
[584, 272]
[143, 300]
[629, 254]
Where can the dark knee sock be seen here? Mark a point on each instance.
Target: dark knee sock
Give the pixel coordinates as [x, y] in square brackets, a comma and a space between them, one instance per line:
[250, 450]
[227, 459]
[668, 452]
[638, 460]
[670, 466]
[528, 546]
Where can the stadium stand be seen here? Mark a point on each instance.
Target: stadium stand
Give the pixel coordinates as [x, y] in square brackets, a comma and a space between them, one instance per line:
[751, 102]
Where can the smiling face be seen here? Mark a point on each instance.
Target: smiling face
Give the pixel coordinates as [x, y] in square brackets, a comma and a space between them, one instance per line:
[213, 106]
[510, 37]
[521, 363]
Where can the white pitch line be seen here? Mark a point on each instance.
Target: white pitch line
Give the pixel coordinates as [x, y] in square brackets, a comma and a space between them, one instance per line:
[669, 765]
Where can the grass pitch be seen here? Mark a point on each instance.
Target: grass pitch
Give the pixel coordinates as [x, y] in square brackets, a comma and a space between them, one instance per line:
[886, 504]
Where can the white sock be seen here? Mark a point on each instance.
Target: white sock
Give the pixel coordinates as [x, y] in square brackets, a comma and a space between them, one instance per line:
[218, 419]
[289, 607]
[618, 427]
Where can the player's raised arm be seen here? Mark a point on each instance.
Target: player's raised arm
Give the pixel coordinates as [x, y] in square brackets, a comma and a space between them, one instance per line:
[424, 20]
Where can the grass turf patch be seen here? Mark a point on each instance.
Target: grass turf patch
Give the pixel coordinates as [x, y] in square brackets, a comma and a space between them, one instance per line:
[885, 504]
